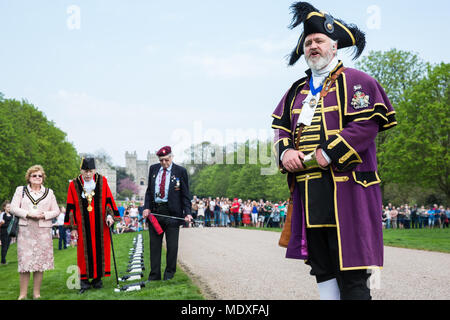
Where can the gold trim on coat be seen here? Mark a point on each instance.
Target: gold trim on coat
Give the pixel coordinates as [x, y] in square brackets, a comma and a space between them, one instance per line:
[364, 183]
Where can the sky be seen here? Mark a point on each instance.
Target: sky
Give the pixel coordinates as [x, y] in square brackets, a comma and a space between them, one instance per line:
[137, 75]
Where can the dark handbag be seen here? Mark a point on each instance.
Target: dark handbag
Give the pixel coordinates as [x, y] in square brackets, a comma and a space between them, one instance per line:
[13, 227]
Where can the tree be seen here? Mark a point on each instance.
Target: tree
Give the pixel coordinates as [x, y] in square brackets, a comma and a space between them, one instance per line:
[126, 188]
[396, 71]
[27, 138]
[244, 180]
[121, 174]
[418, 149]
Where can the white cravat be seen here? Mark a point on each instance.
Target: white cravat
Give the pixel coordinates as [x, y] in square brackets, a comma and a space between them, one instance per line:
[88, 186]
[318, 77]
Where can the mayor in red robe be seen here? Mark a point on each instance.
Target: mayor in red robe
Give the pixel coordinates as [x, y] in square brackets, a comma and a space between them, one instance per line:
[90, 211]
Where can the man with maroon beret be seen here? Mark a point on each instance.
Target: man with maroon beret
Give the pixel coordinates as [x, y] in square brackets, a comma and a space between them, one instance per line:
[325, 128]
[169, 199]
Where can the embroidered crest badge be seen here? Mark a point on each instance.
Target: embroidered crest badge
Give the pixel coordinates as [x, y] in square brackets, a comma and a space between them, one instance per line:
[360, 100]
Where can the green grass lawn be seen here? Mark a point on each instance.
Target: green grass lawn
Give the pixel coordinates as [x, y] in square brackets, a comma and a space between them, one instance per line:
[422, 239]
[55, 287]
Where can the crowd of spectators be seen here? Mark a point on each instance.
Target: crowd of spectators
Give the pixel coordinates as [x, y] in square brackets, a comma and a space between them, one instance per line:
[415, 217]
[224, 212]
[131, 221]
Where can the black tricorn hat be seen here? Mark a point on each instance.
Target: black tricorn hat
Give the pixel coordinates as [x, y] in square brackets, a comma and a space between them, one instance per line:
[315, 21]
[87, 164]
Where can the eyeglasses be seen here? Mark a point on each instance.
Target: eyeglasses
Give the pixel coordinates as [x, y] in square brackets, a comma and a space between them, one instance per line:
[36, 175]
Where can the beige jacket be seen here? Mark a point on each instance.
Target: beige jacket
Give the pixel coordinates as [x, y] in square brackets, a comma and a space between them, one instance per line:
[21, 206]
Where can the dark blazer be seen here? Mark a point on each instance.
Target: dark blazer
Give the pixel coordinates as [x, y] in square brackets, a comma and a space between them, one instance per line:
[179, 197]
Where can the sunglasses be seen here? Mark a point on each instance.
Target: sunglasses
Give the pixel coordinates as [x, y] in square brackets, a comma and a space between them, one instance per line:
[36, 175]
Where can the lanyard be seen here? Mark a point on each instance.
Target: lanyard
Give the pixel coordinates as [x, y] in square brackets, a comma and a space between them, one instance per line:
[314, 91]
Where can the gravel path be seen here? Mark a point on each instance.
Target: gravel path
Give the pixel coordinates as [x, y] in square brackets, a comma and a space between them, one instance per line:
[230, 264]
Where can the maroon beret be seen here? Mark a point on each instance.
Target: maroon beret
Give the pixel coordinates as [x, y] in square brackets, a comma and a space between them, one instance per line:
[164, 151]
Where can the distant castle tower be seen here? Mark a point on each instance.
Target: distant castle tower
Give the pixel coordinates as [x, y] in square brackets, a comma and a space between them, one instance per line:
[130, 163]
[139, 170]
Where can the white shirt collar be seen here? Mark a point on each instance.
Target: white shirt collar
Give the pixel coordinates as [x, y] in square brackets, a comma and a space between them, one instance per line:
[169, 169]
[320, 75]
[41, 190]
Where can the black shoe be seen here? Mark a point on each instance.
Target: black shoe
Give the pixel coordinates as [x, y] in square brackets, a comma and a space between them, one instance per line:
[85, 285]
[97, 284]
[150, 279]
[83, 290]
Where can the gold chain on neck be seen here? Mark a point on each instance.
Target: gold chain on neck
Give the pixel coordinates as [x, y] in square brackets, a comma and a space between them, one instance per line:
[89, 196]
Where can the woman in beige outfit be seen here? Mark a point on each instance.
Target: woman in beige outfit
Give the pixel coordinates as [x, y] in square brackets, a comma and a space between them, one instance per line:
[35, 206]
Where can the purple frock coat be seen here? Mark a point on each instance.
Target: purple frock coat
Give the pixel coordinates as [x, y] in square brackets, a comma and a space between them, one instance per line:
[355, 109]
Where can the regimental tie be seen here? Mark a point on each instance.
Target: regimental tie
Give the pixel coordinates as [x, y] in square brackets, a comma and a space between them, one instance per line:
[162, 186]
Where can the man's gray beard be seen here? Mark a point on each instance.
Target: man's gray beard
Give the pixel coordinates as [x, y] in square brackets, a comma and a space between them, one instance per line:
[321, 63]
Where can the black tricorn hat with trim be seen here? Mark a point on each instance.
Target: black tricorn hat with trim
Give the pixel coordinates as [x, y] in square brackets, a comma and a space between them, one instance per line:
[315, 21]
[87, 164]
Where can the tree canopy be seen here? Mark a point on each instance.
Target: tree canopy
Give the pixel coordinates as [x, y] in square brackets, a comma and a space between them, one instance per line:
[27, 138]
[246, 180]
[418, 151]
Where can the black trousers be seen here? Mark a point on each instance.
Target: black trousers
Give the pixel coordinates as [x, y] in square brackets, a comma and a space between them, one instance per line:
[323, 252]
[62, 237]
[171, 228]
[5, 239]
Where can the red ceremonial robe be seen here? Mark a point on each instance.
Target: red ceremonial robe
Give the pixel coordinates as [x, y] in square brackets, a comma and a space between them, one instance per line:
[93, 245]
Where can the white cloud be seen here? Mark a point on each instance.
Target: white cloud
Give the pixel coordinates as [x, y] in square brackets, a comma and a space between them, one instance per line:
[233, 66]
[94, 123]
[246, 59]
[269, 45]
[151, 48]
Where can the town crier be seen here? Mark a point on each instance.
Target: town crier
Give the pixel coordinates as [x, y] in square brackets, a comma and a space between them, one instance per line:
[325, 128]
[91, 211]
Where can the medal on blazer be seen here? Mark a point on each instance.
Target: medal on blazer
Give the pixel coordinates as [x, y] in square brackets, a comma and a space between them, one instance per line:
[313, 103]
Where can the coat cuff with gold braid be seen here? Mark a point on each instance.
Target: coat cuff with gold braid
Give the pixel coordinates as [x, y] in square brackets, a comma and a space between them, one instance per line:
[280, 146]
[343, 156]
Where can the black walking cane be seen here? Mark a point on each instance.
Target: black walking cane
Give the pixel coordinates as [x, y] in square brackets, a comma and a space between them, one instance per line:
[114, 256]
